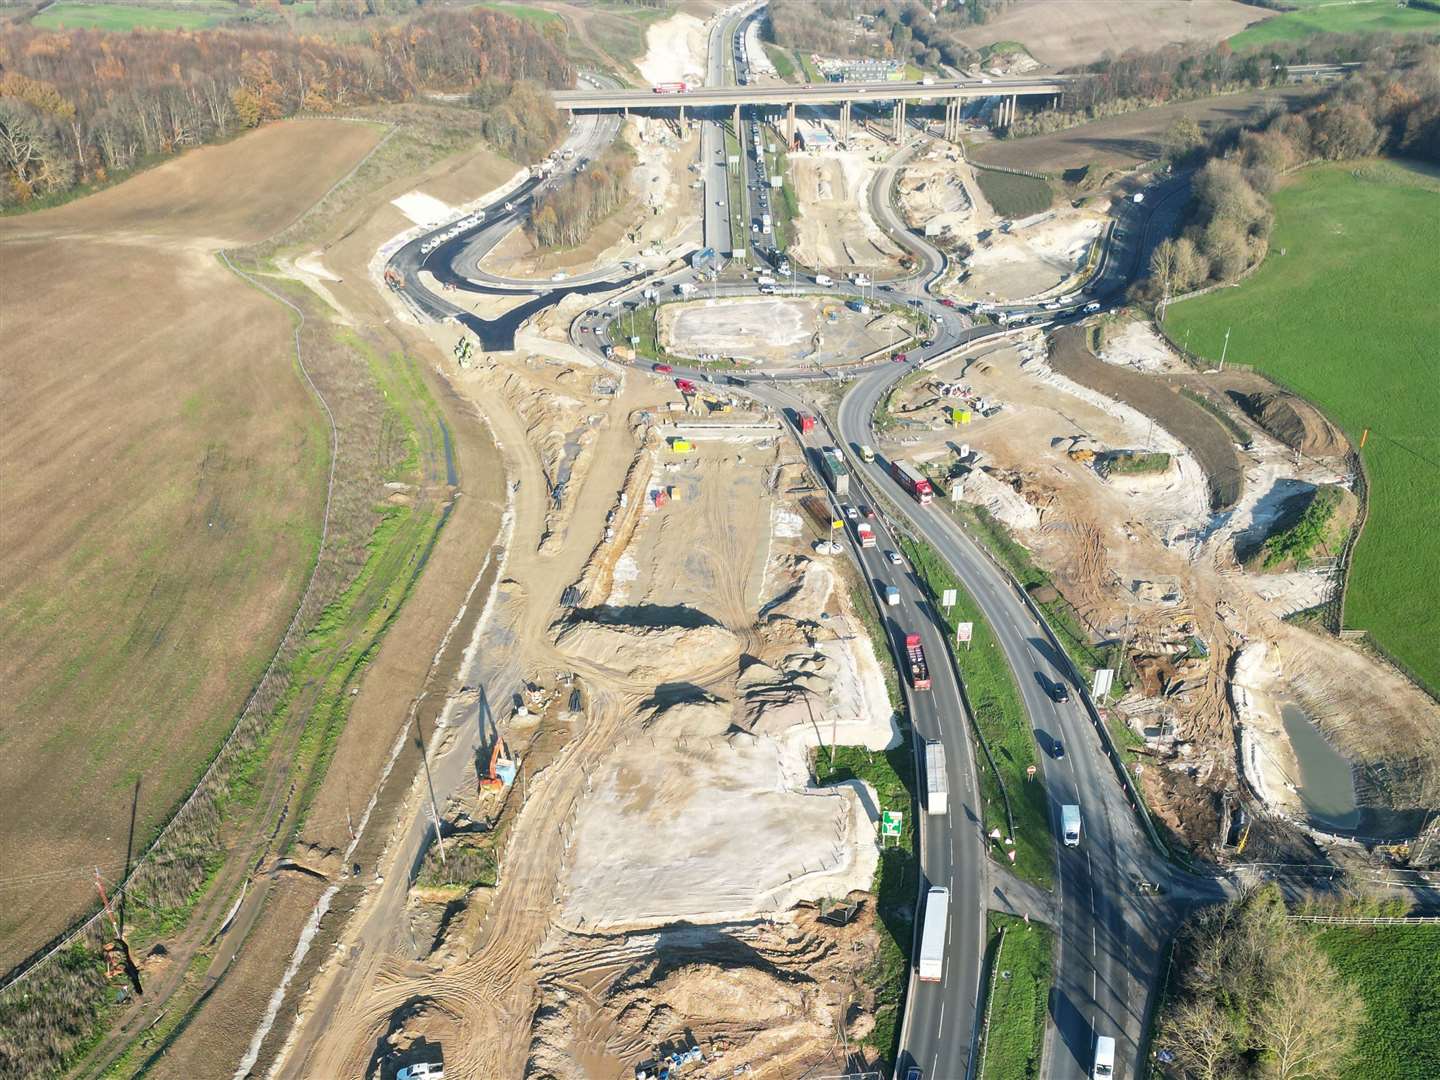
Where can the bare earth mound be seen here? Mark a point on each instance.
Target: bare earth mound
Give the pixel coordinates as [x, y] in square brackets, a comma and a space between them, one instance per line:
[165, 472]
[1295, 422]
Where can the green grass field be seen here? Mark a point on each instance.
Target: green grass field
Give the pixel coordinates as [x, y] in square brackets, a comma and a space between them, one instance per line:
[196, 15]
[1347, 317]
[538, 16]
[1001, 719]
[1016, 1035]
[1012, 195]
[1319, 17]
[1397, 971]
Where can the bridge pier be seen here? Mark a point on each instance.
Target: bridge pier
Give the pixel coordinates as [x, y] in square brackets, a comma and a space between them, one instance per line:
[845, 122]
[899, 121]
[790, 127]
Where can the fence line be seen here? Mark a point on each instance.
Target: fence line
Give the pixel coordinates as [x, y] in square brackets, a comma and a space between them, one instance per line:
[1368, 920]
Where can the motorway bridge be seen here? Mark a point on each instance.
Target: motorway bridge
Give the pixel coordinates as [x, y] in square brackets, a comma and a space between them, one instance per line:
[954, 92]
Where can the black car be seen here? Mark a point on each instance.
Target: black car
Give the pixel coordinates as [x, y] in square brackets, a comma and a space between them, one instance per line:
[1060, 693]
[1058, 751]
[927, 343]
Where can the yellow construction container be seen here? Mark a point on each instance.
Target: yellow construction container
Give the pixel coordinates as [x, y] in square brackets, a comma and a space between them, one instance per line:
[674, 493]
[681, 446]
[960, 416]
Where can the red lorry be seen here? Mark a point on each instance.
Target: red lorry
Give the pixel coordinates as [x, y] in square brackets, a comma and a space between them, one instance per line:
[670, 88]
[806, 422]
[908, 477]
[915, 658]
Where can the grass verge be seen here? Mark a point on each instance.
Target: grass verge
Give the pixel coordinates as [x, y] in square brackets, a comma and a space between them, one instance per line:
[784, 62]
[1008, 744]
[1014, 1035]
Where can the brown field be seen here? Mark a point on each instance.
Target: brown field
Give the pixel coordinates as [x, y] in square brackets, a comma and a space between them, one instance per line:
[1118, 142]
[164, 469]
[1062, 33]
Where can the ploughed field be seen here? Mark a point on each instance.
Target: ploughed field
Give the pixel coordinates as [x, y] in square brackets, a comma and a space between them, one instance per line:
[165, 471]
[1343, 312]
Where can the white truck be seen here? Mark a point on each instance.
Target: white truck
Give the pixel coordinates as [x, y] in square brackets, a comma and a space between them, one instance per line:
[892, 596]
[1104, 1067]
[937, 788]
[684, 288]
[765, 279]
[1070, 824]
[932, 935]
[824, 279]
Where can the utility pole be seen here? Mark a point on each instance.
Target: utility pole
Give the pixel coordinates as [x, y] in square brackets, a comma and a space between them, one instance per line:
[1225, 348]
[430, 786]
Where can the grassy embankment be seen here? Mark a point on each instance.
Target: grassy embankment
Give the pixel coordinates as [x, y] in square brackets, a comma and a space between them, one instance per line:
[538, 16]
[194, 15]
[1345, 318]
[1396, 971]
[1327, 17]
[897, 876]
[784, 62]
[1316, 529]
[735, 182]
[999, 717]
[784, 208]
[1123, 464]
[1014, 1039]
[1012, 195]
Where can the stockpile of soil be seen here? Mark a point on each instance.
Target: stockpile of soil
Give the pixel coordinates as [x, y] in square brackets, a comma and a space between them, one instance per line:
[1198, 430]
[1294, 421]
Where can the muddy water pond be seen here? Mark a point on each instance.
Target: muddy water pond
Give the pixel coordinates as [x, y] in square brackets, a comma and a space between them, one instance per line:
[1327, 783]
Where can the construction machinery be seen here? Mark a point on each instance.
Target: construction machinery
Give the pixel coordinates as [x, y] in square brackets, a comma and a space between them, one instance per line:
[501, 771]
[393, 278]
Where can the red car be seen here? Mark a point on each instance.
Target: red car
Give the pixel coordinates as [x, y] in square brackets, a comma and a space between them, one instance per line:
[664, 369]
[899, 358]
[685, 386]
[948, 303]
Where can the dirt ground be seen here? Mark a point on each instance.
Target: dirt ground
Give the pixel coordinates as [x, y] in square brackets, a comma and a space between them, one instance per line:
[156, 483]
[1144, 560]
[1064, 33]
[1120, 142]
[835, 231]
[777, 331]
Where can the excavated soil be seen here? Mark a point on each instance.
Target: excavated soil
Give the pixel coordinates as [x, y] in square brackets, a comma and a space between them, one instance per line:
[1294, 421]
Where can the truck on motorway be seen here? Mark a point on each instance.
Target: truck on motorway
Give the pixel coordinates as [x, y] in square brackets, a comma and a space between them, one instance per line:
[866, 535]
[765, 279]
[892, 596]
[867, 455]
[932, 935]
[937, 788]
[915, 661]
[1104, 1067]
[1070, 824]
[837, 473]
[805, 422]
[685, 288]
[908, 477]
[670, 87]
[824, 279]
[858, 306]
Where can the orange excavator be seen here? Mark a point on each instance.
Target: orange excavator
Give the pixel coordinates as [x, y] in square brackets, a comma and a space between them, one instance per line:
[501, 772]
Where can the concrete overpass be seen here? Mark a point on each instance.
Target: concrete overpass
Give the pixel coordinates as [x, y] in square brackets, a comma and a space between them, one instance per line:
[952, 91]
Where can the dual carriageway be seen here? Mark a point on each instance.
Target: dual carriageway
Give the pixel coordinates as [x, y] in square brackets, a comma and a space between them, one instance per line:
[1111, 935]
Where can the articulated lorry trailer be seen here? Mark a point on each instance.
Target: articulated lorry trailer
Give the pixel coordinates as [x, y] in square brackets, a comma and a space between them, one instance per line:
[908, 477]
[932, 935]
[937, 788]
[915, 663]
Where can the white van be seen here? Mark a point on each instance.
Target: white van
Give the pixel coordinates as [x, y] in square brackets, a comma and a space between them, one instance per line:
[824, 279]
[1104, 1067]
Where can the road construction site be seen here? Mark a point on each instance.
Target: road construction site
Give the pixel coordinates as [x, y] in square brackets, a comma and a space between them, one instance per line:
[677, 652]
[780, 331]
[1150, 557]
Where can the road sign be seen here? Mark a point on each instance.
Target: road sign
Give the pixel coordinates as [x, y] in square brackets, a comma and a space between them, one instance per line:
[1104, 678]
[890, 822]
[948, 598]
[964, 632]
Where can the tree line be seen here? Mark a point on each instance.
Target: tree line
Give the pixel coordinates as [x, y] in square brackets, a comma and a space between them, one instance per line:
[893, 29]
[1255, 997]
[565, 216]
[81, 106]
[1390, 106]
